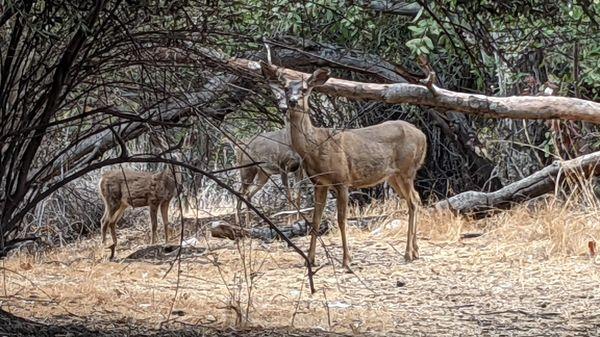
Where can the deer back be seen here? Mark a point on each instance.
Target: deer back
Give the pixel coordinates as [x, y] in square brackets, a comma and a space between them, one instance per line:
[137, 189]
[272, 148]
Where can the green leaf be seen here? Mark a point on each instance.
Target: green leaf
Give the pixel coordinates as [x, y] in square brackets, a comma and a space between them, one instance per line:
[428, 42]
[416, 30]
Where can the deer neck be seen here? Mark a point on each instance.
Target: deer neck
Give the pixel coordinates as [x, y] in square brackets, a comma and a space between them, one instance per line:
[301, 130]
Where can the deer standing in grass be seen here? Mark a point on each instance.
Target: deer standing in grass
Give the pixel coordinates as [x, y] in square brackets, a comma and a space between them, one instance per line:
[274, 151]
[121, 189]
[392, 151]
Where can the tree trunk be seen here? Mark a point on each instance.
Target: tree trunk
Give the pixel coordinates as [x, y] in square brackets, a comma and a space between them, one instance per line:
[537, 184]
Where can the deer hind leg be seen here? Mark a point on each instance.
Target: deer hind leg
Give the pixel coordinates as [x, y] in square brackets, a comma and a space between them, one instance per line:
[153, 222]
[117, 215]
[110, 209]
[104, 224]
[320, 201]
[404, 187]
[164, 211]
[342, 205]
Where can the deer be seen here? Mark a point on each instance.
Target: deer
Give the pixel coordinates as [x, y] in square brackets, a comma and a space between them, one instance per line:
[392, 151]
[274, 154]
[125, 188]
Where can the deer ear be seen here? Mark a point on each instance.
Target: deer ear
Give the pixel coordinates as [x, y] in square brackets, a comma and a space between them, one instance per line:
[319, 77]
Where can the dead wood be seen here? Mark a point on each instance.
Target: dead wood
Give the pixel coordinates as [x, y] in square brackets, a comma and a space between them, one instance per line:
[535, 185]
[224, 230]
[517, 107]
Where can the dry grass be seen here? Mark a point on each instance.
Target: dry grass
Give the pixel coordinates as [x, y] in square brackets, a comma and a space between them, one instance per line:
[530, 273]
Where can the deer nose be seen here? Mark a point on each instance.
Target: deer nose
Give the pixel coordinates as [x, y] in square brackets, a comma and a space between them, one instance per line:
[293, 103]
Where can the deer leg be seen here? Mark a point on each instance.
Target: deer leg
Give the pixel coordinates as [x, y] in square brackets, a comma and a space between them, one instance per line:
[260, 182]
[164, 211]
[153, 221]
[405, 188]
[113, 234]
[109, 213]
[342, 205]
[320, 201]
[299, 175]
[417, 204]
[104, 224]
[111, 221]
[247, 175]
[117, 215]
[286, 184]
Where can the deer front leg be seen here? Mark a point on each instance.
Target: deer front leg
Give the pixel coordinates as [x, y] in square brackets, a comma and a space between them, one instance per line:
[299, 175]
[342, 205]
[261, 180]
[286, 185]
[154, 222]
[164, 211]
[320, 201]
[247, 175]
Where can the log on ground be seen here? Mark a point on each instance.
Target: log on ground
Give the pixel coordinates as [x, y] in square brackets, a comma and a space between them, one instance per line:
[535, 185]
[225, 230]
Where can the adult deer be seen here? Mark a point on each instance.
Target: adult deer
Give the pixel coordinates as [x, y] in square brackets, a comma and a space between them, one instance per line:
[125, 188]
[392, 151]
[273, 151]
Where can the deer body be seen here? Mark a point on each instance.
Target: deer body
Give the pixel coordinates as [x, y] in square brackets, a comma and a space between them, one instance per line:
[125, 188]
[392, 151]
[274, 152]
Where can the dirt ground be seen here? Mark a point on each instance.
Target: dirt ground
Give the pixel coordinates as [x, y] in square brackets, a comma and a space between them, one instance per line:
[493, 284]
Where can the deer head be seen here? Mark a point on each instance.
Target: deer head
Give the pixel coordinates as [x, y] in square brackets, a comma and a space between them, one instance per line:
[293, 93]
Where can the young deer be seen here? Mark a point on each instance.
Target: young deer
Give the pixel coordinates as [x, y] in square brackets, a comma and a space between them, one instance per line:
[392, 151]
[274, 151]
[123, 188]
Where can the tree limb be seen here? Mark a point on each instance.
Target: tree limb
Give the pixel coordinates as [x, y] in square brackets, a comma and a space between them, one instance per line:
[537, 184]
[517, 107]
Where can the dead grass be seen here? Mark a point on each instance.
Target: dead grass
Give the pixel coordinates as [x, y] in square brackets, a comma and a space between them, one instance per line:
[529, 273]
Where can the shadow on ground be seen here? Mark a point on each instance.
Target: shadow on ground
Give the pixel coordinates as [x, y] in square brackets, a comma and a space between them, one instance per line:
[11, 325]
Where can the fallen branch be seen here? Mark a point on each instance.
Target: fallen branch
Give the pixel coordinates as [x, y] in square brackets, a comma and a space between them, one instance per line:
[224, 230]
[535, 185]
[517, 107]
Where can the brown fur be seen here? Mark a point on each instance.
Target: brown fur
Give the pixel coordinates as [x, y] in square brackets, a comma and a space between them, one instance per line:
[274, 150]
[124, 188]
[392, 151]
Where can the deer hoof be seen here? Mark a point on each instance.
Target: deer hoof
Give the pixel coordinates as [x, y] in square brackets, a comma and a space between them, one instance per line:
[112, 252]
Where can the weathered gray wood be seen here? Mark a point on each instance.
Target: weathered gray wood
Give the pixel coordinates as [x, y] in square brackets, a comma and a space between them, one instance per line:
[220, 229]
[518, 107]
[537, 184]
[224, 230]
